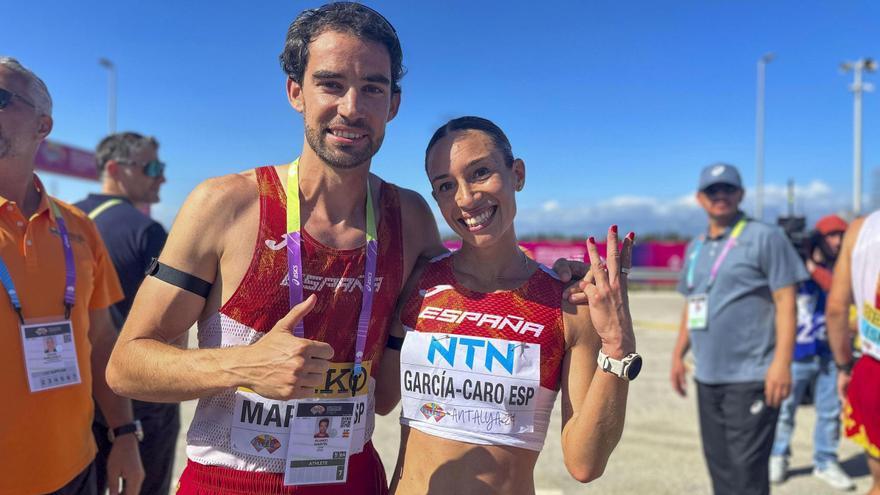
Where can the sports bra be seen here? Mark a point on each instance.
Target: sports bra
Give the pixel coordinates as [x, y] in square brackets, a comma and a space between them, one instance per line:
[481, 368]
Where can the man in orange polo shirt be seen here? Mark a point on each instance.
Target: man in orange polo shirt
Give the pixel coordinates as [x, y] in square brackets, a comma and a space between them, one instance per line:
[56, 283]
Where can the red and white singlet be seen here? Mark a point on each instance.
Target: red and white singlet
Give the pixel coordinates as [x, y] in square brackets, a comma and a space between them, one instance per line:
[336, 277]
[482, 368]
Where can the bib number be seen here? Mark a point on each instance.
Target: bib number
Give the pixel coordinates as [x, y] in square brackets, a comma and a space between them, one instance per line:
[470, 383]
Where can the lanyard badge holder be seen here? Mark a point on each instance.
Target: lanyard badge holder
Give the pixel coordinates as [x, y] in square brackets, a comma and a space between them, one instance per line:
[698, 304]
[314, 456]
[48, 343]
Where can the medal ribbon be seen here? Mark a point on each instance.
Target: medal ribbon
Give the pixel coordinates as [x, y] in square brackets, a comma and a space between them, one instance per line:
[295, 265]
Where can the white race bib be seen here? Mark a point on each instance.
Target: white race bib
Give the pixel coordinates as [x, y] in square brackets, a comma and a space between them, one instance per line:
[472, 383]
[315, 451]
[50, 355]
[698, 311]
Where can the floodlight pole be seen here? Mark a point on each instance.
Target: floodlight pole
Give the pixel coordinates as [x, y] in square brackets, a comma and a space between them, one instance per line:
[111, 93]
[759, 136]
[858, 87]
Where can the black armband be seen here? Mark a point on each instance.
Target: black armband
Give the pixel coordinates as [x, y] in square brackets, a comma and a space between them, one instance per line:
[178, 278]
[395, 343]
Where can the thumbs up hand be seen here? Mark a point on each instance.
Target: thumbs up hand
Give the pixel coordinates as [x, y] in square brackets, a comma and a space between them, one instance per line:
[282, 366]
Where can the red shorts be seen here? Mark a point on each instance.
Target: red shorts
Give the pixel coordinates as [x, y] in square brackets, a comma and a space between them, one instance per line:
[366, 476]
[861, 413]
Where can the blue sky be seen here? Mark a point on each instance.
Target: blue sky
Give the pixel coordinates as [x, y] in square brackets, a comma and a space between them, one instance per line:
[614, 106]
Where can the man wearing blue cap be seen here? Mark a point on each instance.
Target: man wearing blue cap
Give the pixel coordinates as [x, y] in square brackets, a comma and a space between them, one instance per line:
[740, 281]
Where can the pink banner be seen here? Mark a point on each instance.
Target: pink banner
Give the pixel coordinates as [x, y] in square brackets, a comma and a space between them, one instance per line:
[664, 255]
[66, 160]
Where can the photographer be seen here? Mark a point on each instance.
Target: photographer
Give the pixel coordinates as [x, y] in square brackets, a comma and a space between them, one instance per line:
[813, 361]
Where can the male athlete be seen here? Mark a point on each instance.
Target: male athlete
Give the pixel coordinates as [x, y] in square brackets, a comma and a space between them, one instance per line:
[230, 264]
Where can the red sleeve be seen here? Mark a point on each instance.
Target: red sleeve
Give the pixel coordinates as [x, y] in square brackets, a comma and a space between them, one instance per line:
[822, 276]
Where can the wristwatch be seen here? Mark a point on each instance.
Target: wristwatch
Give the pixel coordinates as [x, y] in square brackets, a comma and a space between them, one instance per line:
[627, 368]
[846, 368]
[133, 427]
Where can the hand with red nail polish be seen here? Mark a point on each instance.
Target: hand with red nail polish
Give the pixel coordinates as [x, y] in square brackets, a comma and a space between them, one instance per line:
[607, 296]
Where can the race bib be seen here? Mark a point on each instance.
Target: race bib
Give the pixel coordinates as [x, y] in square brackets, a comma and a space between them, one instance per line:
[50, 355]
[319, 432]
[698, 311]
[869, 329]
[476, 384]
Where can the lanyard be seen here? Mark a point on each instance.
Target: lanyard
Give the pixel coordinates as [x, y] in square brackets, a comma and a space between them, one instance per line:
[106, 205]
[692, 263]
[295, 271]
[69, 270]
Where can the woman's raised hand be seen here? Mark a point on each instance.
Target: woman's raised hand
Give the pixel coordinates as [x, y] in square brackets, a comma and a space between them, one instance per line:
[606, 292]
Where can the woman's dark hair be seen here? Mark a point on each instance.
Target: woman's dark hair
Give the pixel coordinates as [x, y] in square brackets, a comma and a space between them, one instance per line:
[345, 17]
[470, 123]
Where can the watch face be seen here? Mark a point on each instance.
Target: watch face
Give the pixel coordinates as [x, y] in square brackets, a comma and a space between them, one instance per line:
[634, 368]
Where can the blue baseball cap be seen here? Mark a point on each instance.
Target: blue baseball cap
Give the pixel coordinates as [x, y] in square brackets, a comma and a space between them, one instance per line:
[719, 173]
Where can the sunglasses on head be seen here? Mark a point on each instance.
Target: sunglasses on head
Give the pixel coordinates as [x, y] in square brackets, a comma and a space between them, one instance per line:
[720, 188]
[153, 169]
[6, 97]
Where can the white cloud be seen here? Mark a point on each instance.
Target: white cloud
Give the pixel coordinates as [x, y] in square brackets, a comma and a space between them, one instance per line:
[551, 205]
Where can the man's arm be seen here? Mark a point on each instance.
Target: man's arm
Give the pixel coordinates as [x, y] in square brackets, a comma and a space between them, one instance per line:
[678, 371]
[839, 300]
[124, 460]
[421, 240]
[388, 384]
[777, 383]
[144, 364]
[421, 237]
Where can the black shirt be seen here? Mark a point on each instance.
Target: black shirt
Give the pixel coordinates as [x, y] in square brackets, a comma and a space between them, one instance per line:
[132, 239]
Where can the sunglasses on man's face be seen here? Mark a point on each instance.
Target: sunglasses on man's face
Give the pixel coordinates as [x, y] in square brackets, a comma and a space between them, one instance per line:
[720, 188]
[153, 169]
[6, 97]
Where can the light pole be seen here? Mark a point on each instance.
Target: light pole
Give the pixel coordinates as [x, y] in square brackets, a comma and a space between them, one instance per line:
[111, 93]
[858, 87]
[759, 136]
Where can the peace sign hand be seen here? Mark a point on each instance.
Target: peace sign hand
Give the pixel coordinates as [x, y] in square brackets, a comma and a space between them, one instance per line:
[607, 296]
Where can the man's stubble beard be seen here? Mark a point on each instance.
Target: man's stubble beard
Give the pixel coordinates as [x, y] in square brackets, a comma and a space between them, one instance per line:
[338, 159]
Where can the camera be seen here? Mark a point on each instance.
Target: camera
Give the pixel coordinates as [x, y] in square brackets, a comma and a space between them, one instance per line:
[803, 240]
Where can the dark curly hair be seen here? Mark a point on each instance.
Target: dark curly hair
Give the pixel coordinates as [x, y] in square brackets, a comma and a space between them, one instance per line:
[346, 17]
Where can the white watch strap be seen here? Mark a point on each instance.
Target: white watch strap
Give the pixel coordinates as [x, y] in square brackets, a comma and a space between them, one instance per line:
[609, 365]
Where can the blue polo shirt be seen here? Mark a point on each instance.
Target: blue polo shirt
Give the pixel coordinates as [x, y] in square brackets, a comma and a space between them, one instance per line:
[738, 342]
[132, 239]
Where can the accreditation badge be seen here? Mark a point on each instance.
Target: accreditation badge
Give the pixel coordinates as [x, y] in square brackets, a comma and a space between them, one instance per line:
[320, 442]
[50, 354]
[698, 312]
[314, 437]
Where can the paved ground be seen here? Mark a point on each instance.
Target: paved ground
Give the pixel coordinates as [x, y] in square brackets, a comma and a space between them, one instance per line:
[660, 452]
